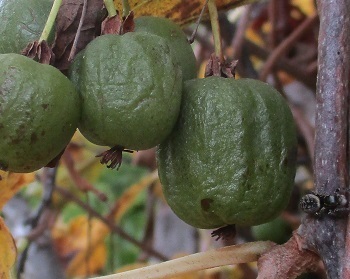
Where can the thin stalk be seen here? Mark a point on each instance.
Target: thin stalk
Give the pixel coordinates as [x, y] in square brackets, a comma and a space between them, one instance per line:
[50, 20]
[229, 255]
[215, 26]
[109, 4]
[126, 7]
[191, 39]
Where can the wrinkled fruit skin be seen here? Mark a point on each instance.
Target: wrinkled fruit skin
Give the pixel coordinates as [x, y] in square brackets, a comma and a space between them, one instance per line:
[22, 21]
[231, 156]
[39, 112]
[130, 90]
[176, 38]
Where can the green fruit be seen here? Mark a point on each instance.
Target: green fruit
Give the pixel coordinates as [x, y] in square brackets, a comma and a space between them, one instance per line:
[176, 39]
[22, 21]
[278, 231]
[130, 89]
[39, 112]
[74, 69]
[231, 156]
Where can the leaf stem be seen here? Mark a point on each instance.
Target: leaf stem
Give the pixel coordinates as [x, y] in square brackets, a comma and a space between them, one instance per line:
[50, 20]
[242, 253]
[214, 20]
[126, 7]
[109, 4]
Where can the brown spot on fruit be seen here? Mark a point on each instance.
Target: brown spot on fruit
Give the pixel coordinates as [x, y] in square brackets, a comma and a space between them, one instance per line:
[45, 106]
[33, 138]
[205, 203]
[15, 140]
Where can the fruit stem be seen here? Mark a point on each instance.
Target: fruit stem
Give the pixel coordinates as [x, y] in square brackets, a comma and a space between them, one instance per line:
[243, 253]
[215, 26]
[50, 20]
[126, 7]
[109, 4]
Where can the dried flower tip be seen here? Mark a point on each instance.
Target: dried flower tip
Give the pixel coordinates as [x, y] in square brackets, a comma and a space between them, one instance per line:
[113, 156]
[227, 232]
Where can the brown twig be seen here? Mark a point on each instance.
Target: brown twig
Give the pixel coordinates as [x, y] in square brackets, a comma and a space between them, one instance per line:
[273, 19]
[331, 144]
[79, 181]
[77, 35]
[148, 238]
[286, 45]
[312, 67]
[283, 64]
[279, 15]
[287, 261]
[303, 125]
[194, 33]
[114, 228]
[306, 129]
[238, 39]
[48, 180]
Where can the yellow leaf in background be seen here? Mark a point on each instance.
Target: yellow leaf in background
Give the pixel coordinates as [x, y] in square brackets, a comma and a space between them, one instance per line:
[180, 11]
[307, 6]
[128, 197]
[8, 251]
[76, 240]
[80, 239]
[82, 266]
[11, 183]
[85, 163]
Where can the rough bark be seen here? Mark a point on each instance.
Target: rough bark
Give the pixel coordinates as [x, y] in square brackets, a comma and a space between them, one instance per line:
[327, 235]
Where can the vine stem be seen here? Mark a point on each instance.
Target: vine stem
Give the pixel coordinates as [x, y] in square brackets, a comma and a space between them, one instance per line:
[109, 4]
[126, 7]
[215, 26]
[331, 240]
[228, 255]
[50, 20]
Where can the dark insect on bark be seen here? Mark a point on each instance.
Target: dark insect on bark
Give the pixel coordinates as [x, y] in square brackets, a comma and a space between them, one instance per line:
[318, 205]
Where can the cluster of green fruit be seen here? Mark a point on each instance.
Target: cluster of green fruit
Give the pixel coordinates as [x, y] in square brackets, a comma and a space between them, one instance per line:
[125, 90]
[226, 147]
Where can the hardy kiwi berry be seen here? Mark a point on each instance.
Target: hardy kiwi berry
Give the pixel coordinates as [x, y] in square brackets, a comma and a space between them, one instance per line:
[130, 88]
[231, 156]
[39, 112]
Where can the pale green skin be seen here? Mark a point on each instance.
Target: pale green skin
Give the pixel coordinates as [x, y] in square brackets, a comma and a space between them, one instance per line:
[22, 22]
[176, 38]
[39, 113]
[231, 156]
[130, 90]
[277, 230]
